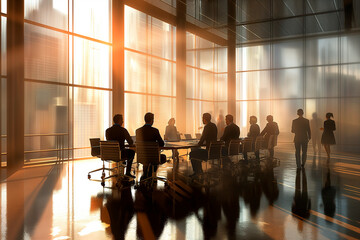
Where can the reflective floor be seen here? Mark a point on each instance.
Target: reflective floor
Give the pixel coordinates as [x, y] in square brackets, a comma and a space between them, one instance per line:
[267, 201]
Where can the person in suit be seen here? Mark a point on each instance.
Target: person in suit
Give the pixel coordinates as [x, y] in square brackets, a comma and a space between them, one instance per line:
[232, 131]
[209, 134]
[147, 133]
[171, 133]
[253, 133]
[117, 133]
[301, 128]
[271, 131]
[328, 137]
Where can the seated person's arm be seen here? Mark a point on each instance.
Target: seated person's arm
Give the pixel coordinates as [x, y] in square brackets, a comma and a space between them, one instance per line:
[159, 139]
[128, 138]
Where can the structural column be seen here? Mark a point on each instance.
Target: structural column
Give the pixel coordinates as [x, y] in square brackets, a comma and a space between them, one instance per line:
[232, 58]
[181, 65]
[15, 84]
[118, 56]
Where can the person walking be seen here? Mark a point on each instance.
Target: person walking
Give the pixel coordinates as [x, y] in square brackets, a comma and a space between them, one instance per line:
[301, 128]
[328, 137]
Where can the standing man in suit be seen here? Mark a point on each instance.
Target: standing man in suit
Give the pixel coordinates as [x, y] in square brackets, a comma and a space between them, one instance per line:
[301, 128]
[117, 133]
[209, 134]
[232, 131]
[147, 133]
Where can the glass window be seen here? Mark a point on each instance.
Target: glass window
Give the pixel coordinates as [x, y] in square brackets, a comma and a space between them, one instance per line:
[206, 86]
[162, 40]
[163, 109]
[205, 59]
[52, 13]
[253, 58]
[350, 127]
[350, 80]
[221, 87]
[91, 63]
[161, 77]
[288, 54]
[46, 54]
[322, 82]
[321, 51]
[253, 85]
[350, 48]
[135, 72]
[91, 117]
[288, 83]
[221, 60]
[135, 28]
[194, 111]
[93, 18]
[46, 112]
[134, 116]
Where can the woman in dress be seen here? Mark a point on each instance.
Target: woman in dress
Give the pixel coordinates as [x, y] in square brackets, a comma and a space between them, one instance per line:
[328, 137]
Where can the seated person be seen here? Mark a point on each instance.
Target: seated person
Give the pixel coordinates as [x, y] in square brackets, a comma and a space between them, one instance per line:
[253, 133]
[171, 133]
[232, 131]
[271, 129]
[147, 133]
[209, 134]
[117, 133]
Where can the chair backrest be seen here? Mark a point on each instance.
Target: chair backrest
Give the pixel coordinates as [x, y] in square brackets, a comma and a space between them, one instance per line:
[110, 151]
[259, 143]
[198, 136]
[147, 152]
[95, 147]
[214, 151]
[187, 136]
[247, 145]
[234, 147]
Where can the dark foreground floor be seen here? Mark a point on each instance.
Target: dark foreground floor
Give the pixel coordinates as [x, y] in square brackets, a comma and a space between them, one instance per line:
[266, 201]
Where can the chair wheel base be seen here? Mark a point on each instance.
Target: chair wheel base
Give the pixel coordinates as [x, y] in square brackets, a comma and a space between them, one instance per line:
[89, 176]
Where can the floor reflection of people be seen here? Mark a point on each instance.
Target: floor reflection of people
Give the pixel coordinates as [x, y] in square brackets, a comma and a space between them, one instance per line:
[148, 206]
[328, 194]
[230, 203]
[120, 207]
[301, 204]
[211, 215]
[252, 191]
[269, 182]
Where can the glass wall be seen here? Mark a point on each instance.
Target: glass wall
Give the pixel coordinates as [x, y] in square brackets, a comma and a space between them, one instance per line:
[206, 82]
[68, 85]
[150, 70]
[317, 73]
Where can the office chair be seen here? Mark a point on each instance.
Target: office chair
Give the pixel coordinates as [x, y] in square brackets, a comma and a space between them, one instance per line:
[110, 151]
[95, 152]
[234, 148]
[148, 154]
[214, 154]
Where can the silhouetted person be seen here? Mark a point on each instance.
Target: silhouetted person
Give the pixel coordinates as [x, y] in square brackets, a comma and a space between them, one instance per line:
[328, 137]
[220, 124]
[315, 125]
[121, 210]
[328, 194]
[171, 133]
[208, 135]
[231, 132]
[147, 133]
[117, 133]
[271, 131]
[253, 133]
[301, 203]
[301, 128]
